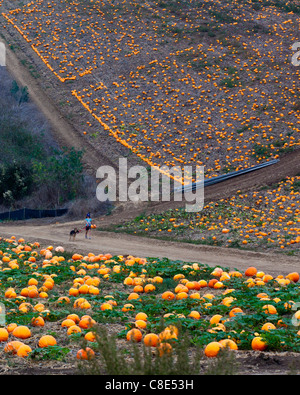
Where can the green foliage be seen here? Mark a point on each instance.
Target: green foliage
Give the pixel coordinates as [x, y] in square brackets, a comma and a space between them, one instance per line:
[225, 364]
[114, 354]
[137, 359]
[57, 353]
[27, 163]
[62, 172]
[21, 95]
[230, 82]
[17, 148]
[17, 143]
[287, 6]
[15, 182]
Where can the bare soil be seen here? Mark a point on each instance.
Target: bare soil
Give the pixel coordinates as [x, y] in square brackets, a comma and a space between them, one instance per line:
[248, 363]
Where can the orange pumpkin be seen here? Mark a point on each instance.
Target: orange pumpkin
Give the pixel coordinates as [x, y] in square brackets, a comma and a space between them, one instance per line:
[134, 335]
[47, 340]
[37, 321]
[151, 340]
[86, 322]
[3, 335]
[85, 354]
[13, 346]
[22, 332]
[24, 350]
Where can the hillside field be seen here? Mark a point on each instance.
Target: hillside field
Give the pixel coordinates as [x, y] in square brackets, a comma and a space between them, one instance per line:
[164, 84]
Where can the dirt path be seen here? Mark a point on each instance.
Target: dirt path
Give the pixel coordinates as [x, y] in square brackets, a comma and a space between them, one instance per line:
[123, 244]
[63, 131]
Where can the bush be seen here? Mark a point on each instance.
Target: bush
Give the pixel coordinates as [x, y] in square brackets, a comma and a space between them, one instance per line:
[21, 95]
[138, 359]
[62, 173]
[15, 182]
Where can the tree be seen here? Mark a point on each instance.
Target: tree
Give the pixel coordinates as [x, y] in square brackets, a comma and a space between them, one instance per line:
[61, 172]
[15, 182]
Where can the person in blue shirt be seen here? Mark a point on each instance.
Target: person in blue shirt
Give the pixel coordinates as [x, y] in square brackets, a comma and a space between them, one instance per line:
[88, 225]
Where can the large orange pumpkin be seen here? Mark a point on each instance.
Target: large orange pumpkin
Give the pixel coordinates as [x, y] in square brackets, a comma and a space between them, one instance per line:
[3, 334]
[13, 346]
[47, 340]
[22, 332]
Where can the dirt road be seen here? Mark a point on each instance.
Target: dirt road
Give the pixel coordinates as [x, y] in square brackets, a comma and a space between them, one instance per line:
[63, 131]
[123, 244]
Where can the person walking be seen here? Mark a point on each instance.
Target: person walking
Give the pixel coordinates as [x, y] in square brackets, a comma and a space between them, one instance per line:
[88, 225]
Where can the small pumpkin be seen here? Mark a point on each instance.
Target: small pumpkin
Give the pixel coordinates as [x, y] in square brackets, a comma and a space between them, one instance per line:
[46, 341]
[3, 335]
[13, 346]
[24, 350]
[85, 354]
[37, 321]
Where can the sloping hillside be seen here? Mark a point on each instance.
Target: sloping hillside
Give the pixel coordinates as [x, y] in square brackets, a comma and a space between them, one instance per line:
[167, 82]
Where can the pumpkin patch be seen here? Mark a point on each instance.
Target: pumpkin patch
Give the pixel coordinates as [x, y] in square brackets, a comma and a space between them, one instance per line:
[164, 83]
[249, 312]
[266, 219]
[212, 86]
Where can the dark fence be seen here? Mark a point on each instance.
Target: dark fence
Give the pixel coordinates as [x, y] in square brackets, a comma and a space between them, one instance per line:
[27, 213]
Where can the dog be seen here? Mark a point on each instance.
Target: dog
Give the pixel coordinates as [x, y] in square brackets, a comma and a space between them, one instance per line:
[73, 234]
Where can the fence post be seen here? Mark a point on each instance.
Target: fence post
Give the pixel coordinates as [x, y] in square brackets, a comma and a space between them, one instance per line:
[24, 212]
